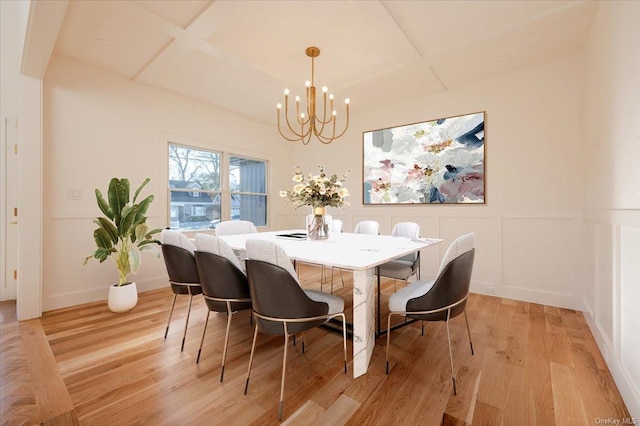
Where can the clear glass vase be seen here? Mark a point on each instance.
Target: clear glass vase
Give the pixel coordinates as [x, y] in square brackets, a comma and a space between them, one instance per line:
[318, 226]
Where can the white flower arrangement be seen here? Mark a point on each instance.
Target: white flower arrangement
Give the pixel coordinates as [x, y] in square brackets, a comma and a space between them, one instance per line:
[317, 190]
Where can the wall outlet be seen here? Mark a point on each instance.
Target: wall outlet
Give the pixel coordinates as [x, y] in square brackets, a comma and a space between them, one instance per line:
[491, 290]
[74, 194]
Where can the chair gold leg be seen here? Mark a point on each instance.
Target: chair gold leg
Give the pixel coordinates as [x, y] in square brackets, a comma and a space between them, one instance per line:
[468, 330]
[204, 331]
[453, 377]
[226, 339]
[170, 314]
[186, 323]
[284, 369]
[253, 348]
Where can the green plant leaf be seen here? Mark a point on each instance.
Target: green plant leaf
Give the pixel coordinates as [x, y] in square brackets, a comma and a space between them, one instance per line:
[143, 207]
[142, 185]
[102, 238]
[118, 197]
[104, 205]
[126, 223]
[109, 227]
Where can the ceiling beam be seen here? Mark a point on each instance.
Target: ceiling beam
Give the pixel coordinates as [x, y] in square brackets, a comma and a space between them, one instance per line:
[43, 25]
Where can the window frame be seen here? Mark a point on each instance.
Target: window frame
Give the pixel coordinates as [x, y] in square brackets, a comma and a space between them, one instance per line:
[224, 191]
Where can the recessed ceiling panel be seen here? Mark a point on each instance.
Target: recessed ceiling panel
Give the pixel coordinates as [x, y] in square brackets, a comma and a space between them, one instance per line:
[96, 34]
[214, 81]
[356, 39]
[434, 26]
[487, 57]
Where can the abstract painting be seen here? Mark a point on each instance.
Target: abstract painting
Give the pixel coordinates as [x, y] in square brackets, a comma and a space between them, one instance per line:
[433, 162]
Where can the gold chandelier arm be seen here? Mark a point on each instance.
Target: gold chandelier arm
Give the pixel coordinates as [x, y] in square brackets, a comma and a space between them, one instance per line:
[325, 139]
[298, 136]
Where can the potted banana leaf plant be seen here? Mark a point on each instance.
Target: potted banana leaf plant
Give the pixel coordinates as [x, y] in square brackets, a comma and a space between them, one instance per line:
[123, 235]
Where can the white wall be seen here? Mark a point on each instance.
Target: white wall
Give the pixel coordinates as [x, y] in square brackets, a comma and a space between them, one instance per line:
[611, 226]
[97, 126]
[528, 233]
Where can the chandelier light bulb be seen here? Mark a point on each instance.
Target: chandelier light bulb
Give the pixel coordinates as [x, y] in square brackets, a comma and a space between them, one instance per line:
[302, 115]
[307, 83]
[297, 98]
[331, 97]
[347, 101]
[286, 92]
[279, 106]
[325, 89]
[334, 113]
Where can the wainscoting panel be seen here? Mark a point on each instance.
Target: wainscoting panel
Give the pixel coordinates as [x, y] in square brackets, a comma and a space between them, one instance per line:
[630, 305]
[540, 260]
[613, 236]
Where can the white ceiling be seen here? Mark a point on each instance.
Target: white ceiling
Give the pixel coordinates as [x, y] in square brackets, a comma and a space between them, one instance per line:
[240, 55]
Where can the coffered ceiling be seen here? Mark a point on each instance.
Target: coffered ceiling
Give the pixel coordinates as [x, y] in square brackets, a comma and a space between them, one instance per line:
[240, 55]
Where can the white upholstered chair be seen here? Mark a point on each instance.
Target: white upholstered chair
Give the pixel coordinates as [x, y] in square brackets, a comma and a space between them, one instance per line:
[367, 227]
[403, 267]
[235, 227]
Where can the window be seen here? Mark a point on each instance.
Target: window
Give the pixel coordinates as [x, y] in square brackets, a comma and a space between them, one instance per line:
[248, 188]
[204, 190]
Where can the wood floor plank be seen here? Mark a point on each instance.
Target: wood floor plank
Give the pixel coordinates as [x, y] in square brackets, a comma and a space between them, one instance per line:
[51, 395]
[538, 364]
[567, 400]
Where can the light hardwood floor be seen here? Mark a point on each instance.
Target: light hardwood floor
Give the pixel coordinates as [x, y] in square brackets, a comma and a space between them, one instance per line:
[533, 365]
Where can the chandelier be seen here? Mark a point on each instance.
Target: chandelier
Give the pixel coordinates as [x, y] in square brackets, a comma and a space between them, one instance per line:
[309, 121]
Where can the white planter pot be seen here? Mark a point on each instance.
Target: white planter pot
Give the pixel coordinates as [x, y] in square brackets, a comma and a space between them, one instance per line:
[122, 298]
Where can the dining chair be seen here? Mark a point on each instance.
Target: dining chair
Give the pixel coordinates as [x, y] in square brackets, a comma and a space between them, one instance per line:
[224, 284]
[403, 267]
[440, 299]
[235, 227]
[280, 306]
[179, 259]
[367, 227]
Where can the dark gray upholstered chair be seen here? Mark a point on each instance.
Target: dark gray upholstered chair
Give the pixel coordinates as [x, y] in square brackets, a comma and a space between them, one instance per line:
[281, 306]
[178, 253]
[224, 284]
[403, 267]
[440, 299]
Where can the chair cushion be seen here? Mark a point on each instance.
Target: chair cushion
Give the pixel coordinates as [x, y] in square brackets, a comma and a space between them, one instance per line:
[210, 244]
[336, 304]
[398, 301]
[398, 269]
[269, 251]
[176, 238]
[459, 247]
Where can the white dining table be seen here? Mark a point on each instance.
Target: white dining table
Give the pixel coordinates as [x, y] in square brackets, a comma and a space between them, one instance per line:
[360, 253]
